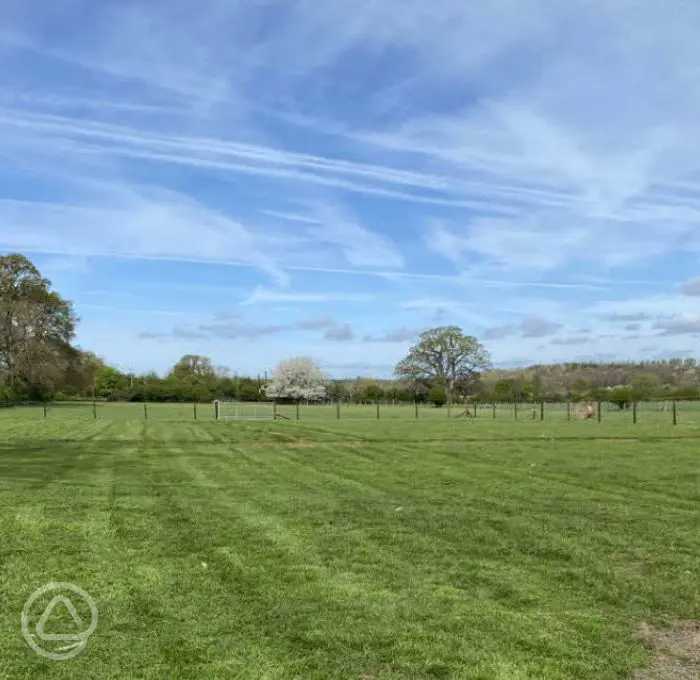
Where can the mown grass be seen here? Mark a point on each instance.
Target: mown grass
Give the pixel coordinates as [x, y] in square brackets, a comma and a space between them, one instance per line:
[351, 549]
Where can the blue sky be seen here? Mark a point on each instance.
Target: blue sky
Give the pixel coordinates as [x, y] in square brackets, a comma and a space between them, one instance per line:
[254, 180]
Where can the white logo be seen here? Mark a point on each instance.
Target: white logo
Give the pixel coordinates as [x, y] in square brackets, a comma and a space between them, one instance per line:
[70, 642]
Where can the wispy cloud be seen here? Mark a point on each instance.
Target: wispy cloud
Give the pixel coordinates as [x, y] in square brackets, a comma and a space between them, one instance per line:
[340, 333]
[573, 340]
[531, 327]
[621, 317]
[317, 324]
[90, 137]
[679, 325]
[162, 225]
[691, 288]
[235, 327]
[291, 217]
[362, 247]
[398, 335]
[265, 295]
[538, 328]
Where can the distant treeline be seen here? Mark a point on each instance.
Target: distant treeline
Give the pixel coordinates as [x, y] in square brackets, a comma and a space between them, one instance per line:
[619, 382]
[194, 378]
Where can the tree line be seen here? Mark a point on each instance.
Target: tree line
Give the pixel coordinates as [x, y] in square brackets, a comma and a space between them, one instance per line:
[39, 362]
[195, 378]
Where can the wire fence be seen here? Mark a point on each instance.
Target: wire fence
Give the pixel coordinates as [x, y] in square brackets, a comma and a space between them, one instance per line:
[645, 411]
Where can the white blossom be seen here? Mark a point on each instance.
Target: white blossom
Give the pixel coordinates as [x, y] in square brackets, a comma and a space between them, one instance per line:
[298, 378]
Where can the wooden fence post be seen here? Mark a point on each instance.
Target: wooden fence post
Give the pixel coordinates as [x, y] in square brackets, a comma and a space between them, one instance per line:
[541, 410]
[568, 410]
[515, 408]
[337, 410]
[274, 410]
[377, 410]
[494, 410]
[416, 405]
[634, 413]
[600, 411]
[675, 412]
[145, 411]
[298, 411]
[194, 409]
[45, 411]
[94, 410]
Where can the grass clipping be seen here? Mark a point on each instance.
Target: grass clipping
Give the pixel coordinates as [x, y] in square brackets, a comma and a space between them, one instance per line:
[676, 652]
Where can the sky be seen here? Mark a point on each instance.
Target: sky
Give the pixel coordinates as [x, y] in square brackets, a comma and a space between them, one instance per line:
[255, 179]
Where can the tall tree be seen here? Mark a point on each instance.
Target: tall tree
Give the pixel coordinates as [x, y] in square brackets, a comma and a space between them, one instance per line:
[81, 374]
[194, 377]
[193, 368]
[446, 356]
[36, 328]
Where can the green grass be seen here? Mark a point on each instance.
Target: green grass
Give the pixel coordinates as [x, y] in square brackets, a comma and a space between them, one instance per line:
[443, 548]
[659, 413]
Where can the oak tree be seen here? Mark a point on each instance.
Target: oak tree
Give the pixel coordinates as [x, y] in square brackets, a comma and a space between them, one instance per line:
[445, 356]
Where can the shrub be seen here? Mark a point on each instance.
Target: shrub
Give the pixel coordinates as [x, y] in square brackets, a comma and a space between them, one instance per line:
[437, 395]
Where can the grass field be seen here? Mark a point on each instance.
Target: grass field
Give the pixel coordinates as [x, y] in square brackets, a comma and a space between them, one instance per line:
[442, 548]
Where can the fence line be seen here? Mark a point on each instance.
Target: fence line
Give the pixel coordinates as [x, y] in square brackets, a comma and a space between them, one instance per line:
[673, 410]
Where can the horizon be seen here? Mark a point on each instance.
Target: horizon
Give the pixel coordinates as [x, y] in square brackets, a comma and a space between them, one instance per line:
[277, 179]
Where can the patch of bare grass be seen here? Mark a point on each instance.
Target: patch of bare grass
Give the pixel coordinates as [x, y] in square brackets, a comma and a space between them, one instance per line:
[676, 652]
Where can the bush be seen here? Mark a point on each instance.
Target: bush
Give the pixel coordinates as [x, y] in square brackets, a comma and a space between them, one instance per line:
[6, 394]
[622, 397]
[437, 395]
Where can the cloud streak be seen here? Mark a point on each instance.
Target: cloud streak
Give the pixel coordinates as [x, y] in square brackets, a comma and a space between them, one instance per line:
[164, 225]
[531, 327]
[89, 137]
[267, 296]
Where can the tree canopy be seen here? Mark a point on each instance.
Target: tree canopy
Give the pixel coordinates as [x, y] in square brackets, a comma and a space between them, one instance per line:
[193, 367]
[36, 329]
[447, 356]
[298, 378]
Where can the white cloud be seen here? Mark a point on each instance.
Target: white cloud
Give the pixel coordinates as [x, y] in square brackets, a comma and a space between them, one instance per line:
[360, 246]
[225, 156]
[512, 243]
[444, 242]
[163, 225]
[545, 241]
[265, 295]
